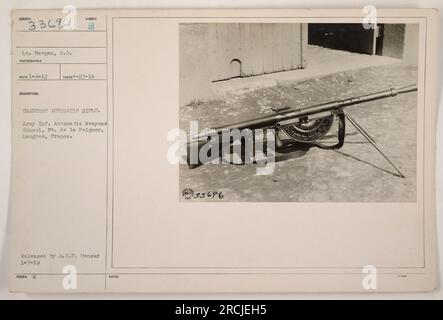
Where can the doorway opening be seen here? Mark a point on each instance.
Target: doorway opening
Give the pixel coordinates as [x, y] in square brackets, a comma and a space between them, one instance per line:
[235, 68]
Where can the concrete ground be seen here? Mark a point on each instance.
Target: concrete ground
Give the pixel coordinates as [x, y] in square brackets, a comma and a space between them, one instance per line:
[355, 173]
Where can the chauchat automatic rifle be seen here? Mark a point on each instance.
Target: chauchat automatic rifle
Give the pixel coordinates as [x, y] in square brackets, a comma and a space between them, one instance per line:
[301, 129]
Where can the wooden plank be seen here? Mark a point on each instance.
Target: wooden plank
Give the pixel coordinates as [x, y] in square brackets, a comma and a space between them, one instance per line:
[295, 46]
[257, 48]
[219, 68]
[233, 39]
[277, 55]
[267, 31]
[214, 53]
[303, 45]
[287, 45]
[246, 44]
[195, 71]
[223, 46]
[229, 42]
[252, 49]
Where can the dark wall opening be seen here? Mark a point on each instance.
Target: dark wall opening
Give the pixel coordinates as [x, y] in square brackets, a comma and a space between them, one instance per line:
[385, 39]
[342, 36]
[235, 68]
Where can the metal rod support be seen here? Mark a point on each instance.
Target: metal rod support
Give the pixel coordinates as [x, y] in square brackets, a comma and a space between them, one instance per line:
[371, 141]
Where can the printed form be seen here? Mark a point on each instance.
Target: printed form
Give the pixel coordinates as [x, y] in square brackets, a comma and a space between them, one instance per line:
[60, 94]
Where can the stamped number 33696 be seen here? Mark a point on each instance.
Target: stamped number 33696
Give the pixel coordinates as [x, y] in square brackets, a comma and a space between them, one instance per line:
[189, 194]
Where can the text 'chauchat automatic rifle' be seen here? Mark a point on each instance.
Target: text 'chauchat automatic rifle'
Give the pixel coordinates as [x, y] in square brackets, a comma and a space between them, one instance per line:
[296, 129]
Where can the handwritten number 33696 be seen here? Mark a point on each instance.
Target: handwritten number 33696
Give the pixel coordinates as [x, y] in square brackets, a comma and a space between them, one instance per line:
[210, 195]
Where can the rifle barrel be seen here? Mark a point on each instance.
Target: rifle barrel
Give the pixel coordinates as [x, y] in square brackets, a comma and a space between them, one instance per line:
[272, 120]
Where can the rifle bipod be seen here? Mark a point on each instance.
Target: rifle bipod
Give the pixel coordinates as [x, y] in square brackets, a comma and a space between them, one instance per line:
[363, 132]
[341, 117]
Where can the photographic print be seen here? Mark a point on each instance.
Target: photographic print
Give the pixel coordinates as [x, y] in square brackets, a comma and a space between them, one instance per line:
[294, 112]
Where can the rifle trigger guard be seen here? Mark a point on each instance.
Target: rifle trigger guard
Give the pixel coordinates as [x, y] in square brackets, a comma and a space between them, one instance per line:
[341, 133]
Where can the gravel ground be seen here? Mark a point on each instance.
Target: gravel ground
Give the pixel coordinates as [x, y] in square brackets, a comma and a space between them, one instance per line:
[355, 173]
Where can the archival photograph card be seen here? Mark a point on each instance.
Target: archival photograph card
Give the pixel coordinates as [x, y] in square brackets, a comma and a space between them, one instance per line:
[223, 150]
